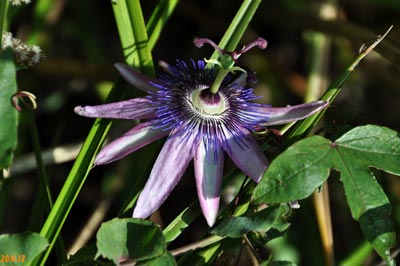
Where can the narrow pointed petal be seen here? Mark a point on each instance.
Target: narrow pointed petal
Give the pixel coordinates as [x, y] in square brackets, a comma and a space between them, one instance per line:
[208, 169]
[134, 139]
[136, 78]
[166, 173]
[246, 154]
[138, 108]
[284, 115]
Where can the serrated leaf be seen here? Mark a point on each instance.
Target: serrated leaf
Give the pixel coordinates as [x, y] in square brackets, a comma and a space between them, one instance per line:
[302, 168]
[262, 221]
[22, 248]
[296, 173]
[130, 239]
[8, 114]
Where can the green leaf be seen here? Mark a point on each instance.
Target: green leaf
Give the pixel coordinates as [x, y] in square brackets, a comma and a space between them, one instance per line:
[21, 248]
[278, 263]
[8, 114]
[181, 222]
[262, 221]
[296, 173]
[201, 257]
[164, 260]
[84, 256]
[359, 149]
[303, 167]
[131, 239]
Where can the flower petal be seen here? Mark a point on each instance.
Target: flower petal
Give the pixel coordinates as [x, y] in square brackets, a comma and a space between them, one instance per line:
[284, 115]
[136, 78]
[208, 169]
[169, 167]
[138, 108]
[246, 154]
[134, 139]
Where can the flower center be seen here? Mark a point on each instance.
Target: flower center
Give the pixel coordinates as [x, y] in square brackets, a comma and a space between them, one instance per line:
[208, 103]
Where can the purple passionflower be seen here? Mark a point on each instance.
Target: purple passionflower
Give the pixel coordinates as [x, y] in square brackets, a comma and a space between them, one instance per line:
[199, 125]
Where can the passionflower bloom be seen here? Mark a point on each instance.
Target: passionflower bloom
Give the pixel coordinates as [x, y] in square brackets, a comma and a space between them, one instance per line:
[199, 124]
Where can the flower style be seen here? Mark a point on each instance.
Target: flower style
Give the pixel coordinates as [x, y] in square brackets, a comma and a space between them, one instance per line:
[200, 125]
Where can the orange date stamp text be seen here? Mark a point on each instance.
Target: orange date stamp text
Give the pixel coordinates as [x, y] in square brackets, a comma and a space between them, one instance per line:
[11, 258]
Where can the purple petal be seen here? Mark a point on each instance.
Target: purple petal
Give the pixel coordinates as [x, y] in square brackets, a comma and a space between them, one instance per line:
[246, 154]
[166, 173]
[284, 115]
[208, 169]
[138, 108]
[136, 78]
[134, 139]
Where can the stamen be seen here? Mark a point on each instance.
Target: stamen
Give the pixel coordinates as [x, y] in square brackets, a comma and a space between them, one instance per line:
[199, 42]
[259, 42]
[228, 59]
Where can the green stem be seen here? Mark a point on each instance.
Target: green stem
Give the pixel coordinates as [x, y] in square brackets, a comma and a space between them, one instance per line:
[2, 197]
[141, 39]
[125, 31]
[196, 245]
[160, 15]
[218, 80]
[132, 31]
[3, 12]
[238, 26]
[232, 36]
[358, 256]
[43, 179]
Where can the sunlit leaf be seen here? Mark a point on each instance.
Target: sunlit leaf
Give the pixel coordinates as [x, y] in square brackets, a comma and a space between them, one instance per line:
[302, 168]
[164, 260]
[262, 221]
[132, 239]
[8, 114]
[84, 256]
[21, 249]
[278, 263]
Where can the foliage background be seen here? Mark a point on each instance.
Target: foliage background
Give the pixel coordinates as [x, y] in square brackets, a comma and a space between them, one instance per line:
[81, 44]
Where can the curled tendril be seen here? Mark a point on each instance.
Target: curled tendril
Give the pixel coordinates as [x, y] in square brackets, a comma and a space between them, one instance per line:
[24, 96]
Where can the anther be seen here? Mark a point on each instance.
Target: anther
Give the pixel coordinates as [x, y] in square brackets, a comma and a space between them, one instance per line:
[199, 42]
[259, 42]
